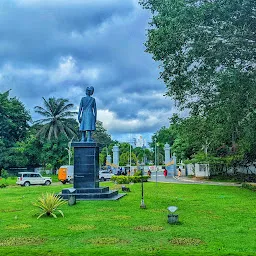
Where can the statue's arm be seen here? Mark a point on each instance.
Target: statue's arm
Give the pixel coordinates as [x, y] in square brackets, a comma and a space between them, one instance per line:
[95, 110]
[80, 112]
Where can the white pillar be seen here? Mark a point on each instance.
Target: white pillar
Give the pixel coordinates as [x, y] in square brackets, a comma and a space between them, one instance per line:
[109, 159]
[167, 153]
[116, 155]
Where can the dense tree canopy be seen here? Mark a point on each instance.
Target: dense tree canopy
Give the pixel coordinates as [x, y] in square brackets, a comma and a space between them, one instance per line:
[45, 142]
[100, 135]
[14, 119]
[14, 124]
[198, 41]
[207, 55]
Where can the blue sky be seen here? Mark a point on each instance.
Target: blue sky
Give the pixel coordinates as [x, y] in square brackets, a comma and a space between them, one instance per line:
[56, 48]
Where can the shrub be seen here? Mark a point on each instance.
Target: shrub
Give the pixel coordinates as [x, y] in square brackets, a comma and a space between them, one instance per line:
[49, 166]
[121, 179]
[127, 179]
[137, 173]
[4, 174]
[49, 203]
[249, 186]
[137, 179]
[3, 186]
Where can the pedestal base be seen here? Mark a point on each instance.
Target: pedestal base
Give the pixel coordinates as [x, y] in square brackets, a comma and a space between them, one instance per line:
[102, 193]
[86, 175]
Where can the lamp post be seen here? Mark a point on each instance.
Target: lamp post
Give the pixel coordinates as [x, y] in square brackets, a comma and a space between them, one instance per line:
[156, 160]
[142, 204]
[69, 151]
[130, 158]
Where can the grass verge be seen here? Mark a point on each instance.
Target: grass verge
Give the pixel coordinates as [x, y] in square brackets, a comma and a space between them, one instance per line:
[214, 220]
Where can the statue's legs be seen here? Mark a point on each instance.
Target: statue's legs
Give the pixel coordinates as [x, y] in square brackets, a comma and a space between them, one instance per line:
[83, 136]
[89, 138]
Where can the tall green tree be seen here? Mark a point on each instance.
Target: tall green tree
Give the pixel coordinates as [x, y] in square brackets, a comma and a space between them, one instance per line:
[29, 151]
[58, 118]
[125, 159]
[14, 125]
[54, 152]
[100, 135]
[159, 139]
[206, 50]
[144, 155]
[196, 41]
[14, 118]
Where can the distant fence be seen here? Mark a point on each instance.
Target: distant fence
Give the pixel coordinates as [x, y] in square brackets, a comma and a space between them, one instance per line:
[206, 170]
[14, 171]
[222, 169]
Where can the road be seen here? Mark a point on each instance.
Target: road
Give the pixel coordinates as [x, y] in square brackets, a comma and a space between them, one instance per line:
[185, 180]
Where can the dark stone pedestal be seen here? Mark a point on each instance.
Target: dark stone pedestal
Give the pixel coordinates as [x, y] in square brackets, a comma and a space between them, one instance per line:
[102, 193]
[86, 165]
[86, 175]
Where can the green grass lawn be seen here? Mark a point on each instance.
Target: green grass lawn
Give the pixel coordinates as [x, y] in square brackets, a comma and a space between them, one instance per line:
[214, 220]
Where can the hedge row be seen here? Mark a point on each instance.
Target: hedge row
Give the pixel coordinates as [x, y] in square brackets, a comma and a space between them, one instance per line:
[249, 186]
[121, 179]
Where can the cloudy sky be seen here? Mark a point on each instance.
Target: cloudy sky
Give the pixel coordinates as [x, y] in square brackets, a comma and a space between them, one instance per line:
[56, 48]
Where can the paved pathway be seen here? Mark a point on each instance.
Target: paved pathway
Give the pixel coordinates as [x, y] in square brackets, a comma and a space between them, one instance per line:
[185, 180]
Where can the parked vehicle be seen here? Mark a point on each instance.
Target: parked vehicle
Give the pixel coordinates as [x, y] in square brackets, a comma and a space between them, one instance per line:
[31, 178]
[105, 175]
[66, 174]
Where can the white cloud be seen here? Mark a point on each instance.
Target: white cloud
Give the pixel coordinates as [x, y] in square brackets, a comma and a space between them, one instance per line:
[55, 48]
[66, 2]
[145, 121]
[67, 69]
[54, 2]
[122, 100]
[9, 70]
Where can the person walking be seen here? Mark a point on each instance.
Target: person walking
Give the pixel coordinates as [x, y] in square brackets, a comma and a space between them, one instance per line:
[179, 172]
[165, 172]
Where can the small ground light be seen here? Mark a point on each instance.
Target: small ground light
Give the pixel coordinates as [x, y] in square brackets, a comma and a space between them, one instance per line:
[173, 218]
[142, 204]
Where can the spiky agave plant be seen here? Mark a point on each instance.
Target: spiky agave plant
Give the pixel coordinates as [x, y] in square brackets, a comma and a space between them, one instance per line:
[49, 203]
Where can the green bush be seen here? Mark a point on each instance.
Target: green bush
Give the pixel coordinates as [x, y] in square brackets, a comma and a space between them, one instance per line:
[48, 166]
[137, 179]
[3, 185]
[137, 173]
[4, 174]
[121, 179]
[249, 186]
[127, 179]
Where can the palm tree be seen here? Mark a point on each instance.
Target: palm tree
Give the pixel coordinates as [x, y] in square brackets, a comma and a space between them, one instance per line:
[57, 119]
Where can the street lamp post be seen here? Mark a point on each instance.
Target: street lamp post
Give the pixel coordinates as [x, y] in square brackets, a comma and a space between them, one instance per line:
[142, 204]
[130, 158]
[155, 161]
[69, 151]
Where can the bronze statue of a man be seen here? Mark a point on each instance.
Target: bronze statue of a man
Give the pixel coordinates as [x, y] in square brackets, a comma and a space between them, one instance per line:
[87, 115]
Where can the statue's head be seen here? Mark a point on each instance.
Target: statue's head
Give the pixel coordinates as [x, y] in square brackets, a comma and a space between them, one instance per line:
[89, 90]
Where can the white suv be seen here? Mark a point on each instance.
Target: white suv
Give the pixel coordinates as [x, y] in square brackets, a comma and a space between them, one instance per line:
[105, 175]
[31, 178]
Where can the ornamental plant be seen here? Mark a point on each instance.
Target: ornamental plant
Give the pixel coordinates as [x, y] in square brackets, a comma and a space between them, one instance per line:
[121, 179]
[49, 203]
